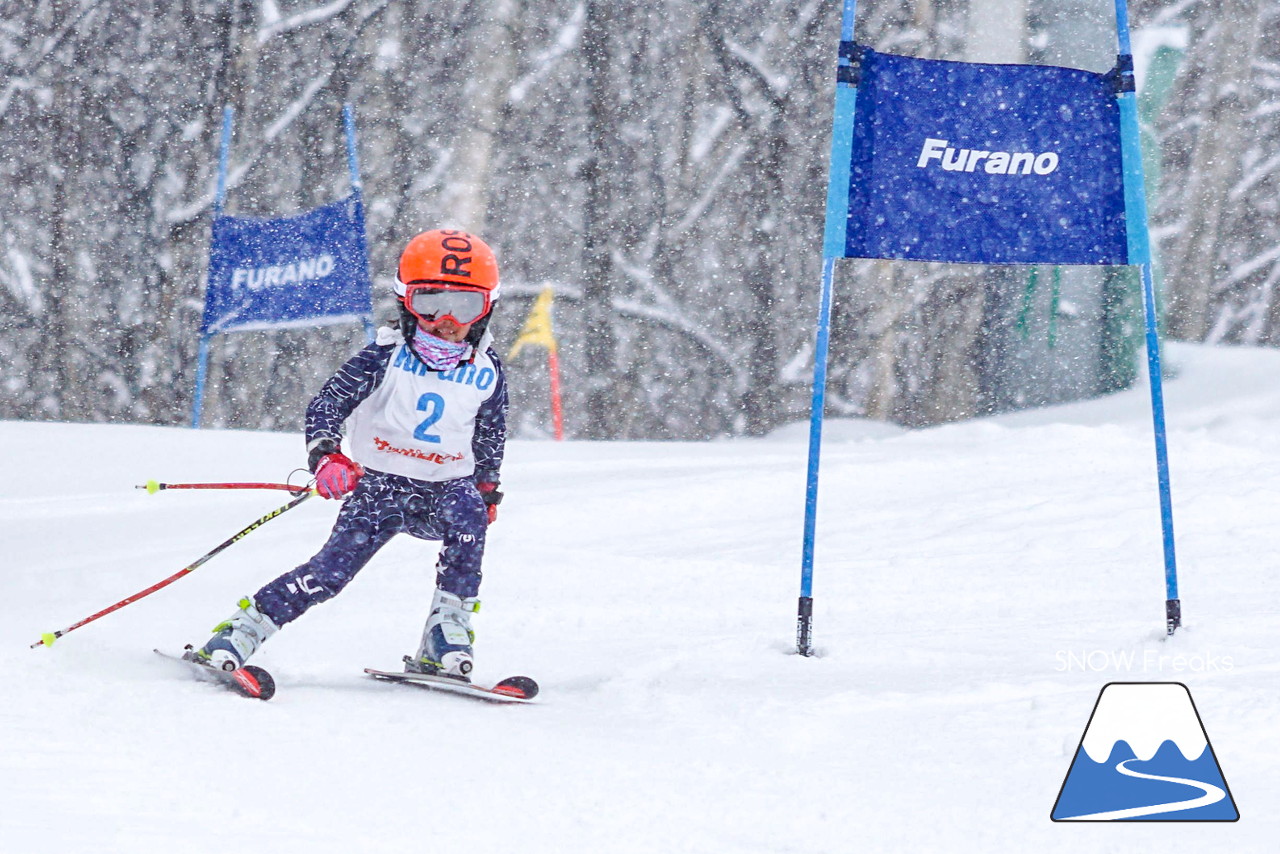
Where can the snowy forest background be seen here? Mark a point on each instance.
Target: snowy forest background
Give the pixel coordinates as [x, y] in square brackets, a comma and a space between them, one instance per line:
[661, 163]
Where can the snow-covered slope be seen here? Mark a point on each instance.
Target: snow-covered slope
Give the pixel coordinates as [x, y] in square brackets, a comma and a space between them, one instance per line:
[976, 585]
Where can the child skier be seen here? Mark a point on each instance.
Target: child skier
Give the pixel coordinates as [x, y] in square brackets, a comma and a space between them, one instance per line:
[425, 411]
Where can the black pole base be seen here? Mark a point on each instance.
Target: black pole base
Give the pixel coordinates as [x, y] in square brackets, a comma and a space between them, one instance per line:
[1173, 615]
[804, 627]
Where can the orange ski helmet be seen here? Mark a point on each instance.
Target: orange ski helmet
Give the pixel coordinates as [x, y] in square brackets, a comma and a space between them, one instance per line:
[451, 270]
[446, 257]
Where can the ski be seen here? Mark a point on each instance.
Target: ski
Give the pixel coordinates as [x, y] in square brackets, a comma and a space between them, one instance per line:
[248, 681]
[513, 689]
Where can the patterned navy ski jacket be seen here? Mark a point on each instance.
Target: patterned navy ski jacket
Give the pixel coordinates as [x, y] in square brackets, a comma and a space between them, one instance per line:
[385, 504]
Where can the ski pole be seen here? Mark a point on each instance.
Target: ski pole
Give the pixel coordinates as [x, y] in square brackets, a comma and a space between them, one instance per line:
[152, 487]
[48, 638]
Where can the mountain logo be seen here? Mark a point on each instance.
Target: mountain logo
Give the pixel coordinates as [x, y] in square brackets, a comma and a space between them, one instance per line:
[1145, 756]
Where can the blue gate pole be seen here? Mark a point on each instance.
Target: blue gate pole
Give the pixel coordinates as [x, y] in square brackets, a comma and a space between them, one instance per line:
[833, 245]
[1140, 254]
[202, 370]
[353, 166]
[219, 199]
[224, 157]
[804, 618]
[353, 158]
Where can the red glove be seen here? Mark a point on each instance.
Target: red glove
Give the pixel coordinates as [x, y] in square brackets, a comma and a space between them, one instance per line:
[336, 475]
[491, 497]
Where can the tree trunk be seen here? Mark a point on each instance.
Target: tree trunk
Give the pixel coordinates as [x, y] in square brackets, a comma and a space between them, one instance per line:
[997, 31]
[465, 199]
[597, 266]
[761, 401]
[1196, 264]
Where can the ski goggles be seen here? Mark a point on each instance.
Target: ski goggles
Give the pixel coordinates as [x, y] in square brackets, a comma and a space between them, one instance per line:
[430, 302]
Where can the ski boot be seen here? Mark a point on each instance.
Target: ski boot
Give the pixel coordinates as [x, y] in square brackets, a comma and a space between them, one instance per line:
[446, 639]
[237, 638]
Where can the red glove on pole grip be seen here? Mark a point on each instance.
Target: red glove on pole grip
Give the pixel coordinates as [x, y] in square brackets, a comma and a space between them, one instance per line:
[337, 475]
[492, 498]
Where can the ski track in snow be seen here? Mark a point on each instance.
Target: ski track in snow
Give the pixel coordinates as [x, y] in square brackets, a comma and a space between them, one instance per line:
[651, 589]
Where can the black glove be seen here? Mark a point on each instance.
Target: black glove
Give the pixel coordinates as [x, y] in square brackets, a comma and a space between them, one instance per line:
[319, 450]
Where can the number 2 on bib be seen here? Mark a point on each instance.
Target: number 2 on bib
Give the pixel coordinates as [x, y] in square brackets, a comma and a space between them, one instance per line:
[433, 405]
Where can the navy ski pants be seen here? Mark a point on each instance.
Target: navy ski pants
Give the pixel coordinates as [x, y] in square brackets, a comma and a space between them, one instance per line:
[382, 506]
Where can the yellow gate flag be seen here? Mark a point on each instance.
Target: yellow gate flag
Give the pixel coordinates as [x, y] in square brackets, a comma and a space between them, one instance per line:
[537, 328]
